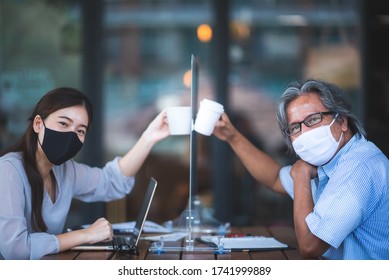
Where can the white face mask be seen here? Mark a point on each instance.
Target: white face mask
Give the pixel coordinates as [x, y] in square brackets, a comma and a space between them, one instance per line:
[318, 145]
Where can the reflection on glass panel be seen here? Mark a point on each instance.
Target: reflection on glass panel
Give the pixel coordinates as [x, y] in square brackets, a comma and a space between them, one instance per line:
[40, 48]
[275, 42]
[148, 48]
[272, 44]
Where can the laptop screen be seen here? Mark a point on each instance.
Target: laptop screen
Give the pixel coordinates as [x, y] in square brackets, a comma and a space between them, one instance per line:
[144, 210]
[129, 240]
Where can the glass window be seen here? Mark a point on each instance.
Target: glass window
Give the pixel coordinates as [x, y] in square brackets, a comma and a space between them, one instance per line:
[40, 48]
[147, 49]
[272, 44]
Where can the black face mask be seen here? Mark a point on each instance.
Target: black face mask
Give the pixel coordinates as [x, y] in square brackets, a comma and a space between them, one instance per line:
[60, 146]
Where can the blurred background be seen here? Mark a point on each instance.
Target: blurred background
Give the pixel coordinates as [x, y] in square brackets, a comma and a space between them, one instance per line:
[132, 58]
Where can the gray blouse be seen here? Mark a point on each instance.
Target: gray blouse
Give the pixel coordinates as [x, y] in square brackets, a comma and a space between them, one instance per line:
[74, 180]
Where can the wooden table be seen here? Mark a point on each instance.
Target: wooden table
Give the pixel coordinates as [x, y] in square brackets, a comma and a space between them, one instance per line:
[284, 234]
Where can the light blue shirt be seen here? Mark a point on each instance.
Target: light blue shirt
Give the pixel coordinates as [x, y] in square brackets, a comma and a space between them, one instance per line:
[74, 180]
[351, 202]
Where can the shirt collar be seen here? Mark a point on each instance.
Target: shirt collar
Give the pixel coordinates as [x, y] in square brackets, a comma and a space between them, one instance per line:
[329, 168]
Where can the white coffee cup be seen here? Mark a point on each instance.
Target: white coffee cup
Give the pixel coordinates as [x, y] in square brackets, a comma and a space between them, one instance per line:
[207, 116]
[179, 120]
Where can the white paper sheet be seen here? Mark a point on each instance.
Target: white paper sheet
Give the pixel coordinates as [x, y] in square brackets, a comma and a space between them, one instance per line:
[149, 227]
[175, 236]
[246, 242]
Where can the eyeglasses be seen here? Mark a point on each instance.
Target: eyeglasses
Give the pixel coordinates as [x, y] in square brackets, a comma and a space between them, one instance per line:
[309, 121]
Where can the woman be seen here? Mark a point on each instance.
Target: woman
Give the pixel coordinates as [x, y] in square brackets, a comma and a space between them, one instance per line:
[40, 179]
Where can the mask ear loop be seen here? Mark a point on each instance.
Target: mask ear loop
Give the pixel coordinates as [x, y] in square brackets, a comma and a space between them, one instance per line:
[336, 116]
[44, 127]
[341, 135]
[43, 122]
[340, 139]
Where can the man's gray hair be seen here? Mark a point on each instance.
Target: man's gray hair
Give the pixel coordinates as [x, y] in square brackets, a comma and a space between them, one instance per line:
[330, 95]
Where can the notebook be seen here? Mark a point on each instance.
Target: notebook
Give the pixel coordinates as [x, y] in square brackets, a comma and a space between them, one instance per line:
[129, 240]
[245, 243]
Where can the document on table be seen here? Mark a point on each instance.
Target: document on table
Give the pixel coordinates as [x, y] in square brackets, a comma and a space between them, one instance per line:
[174, 236]
[245, 243]
[149, 227]
[127, 227]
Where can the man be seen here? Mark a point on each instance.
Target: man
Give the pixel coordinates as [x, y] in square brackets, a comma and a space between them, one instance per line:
[340, 184]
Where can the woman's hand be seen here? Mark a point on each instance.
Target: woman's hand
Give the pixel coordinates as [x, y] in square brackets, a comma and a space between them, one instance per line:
[101, 230]
[158, 129]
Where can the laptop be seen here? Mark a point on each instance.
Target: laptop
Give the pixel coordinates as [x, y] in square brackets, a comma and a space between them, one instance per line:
[128, 241]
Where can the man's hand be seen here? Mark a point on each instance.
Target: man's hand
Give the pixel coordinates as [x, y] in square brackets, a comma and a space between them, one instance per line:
[224, 130]
[302, 169]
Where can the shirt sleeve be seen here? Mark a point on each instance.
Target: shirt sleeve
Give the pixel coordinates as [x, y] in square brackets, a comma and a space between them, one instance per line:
[91, 184]
[286, 180]
[343, 205]
[16, 242]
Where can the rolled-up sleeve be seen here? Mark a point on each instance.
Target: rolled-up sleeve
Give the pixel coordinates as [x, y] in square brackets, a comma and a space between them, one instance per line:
[286, 180]
[343, 205]
[51, 245]
[16, 242]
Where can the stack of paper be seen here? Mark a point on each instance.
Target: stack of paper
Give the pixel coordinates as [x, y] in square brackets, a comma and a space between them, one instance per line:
[245, 242]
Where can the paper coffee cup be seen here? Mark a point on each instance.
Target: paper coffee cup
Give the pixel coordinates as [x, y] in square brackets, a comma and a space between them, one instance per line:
[179, 120]
[207, 116]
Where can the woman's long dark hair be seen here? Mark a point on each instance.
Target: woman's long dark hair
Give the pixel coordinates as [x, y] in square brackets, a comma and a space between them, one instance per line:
[52, 101]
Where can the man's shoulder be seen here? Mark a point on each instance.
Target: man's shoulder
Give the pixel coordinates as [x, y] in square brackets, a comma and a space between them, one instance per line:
[363, 155]
[362, 149]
